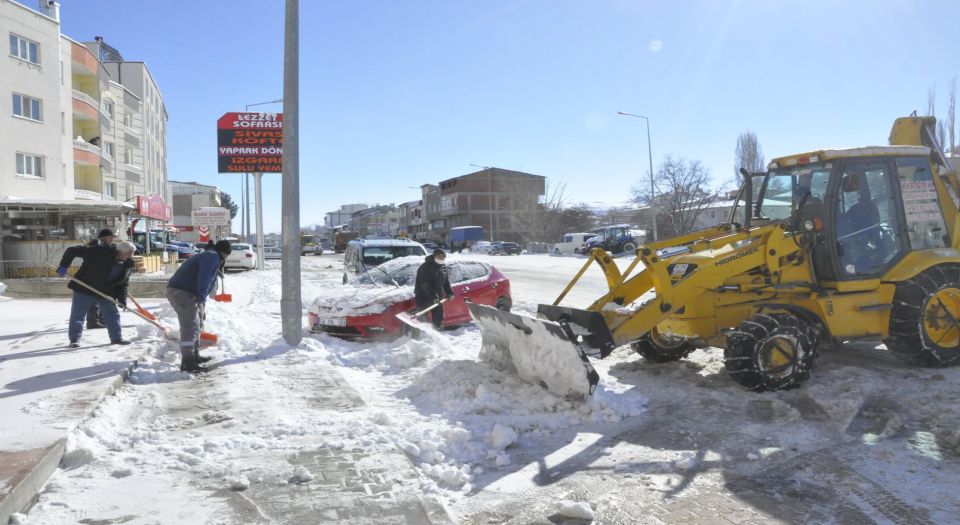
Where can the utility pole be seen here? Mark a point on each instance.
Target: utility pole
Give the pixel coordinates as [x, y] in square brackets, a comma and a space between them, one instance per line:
[256, 180]
[291, 306]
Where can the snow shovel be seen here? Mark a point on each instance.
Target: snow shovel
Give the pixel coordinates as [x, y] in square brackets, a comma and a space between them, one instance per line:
[141, 309]
[412, 326]
[539, 351]
[223, 297]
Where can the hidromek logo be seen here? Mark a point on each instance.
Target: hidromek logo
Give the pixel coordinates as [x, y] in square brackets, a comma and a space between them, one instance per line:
[736, 256]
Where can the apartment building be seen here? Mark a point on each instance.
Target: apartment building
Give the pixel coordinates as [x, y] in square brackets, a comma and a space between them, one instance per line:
[84, 138]
[342, 216]
[504, 202]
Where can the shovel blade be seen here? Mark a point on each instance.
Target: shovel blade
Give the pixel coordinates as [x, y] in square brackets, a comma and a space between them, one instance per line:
[539, 352]
[223, 298]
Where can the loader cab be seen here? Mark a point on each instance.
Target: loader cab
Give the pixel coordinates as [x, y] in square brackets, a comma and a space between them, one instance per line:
[859, 211]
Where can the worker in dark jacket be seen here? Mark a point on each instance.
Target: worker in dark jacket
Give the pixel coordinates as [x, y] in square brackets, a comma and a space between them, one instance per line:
[433, 285]
[94, 319]
[96, 272]
[187, 292]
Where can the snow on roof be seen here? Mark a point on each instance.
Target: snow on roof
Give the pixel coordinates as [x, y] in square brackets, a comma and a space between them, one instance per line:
[865, 151]
[386, 242]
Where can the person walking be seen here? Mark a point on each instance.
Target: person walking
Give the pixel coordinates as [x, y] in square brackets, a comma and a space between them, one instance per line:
[187, 292]
[94, 319]
[433, 285]
[95, 272]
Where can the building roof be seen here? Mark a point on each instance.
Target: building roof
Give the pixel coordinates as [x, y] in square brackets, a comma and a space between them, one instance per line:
[497, 170]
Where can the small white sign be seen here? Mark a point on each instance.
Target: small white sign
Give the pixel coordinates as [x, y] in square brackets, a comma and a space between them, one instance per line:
[210, 216]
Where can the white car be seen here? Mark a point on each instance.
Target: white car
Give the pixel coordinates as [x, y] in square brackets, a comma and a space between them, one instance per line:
[481, 247]
[272, 252]
[572, 243]
[242, 257]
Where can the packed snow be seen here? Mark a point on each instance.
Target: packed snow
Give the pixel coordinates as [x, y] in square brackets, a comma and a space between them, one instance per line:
[484, 441]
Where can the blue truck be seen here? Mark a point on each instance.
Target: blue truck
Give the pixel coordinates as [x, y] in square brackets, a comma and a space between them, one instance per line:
[464, 236]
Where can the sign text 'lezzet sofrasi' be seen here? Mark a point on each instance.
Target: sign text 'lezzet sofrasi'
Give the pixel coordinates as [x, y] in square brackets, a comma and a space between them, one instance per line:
[250, 143]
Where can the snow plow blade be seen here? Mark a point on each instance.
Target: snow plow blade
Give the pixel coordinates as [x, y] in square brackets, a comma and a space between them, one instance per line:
[544, 353]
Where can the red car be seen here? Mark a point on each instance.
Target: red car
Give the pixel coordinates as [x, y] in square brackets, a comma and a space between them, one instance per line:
[367, 307]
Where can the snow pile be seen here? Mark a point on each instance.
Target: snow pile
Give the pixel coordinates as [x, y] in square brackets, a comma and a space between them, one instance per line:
[3, 288]
[360, 299]
[575, 509]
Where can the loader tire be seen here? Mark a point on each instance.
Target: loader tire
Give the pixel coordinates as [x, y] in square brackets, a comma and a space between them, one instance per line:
[771, 352]
[658, 348]
[924, 325]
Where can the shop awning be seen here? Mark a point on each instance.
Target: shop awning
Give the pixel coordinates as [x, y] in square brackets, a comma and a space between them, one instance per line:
[74, 207]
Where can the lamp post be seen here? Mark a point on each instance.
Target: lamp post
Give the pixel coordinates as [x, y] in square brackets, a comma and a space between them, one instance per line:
[246, 180]
[490, 202]
[653, 208]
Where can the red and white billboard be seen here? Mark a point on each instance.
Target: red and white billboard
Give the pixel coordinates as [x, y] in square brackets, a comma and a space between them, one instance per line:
[250, 143]
[153, 207]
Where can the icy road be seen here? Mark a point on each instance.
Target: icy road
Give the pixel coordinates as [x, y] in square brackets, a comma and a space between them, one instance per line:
[413, 432]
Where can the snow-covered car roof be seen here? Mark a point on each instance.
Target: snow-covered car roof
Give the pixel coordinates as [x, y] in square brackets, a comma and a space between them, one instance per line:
[386, 242]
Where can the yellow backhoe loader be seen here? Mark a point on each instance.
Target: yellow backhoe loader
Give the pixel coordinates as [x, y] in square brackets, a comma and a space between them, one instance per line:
[825, 247]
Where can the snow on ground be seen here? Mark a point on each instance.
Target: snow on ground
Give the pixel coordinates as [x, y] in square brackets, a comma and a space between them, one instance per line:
[482, 439]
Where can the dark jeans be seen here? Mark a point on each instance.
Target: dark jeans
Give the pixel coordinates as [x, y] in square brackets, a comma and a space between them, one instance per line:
[436, 315]
[94, 316]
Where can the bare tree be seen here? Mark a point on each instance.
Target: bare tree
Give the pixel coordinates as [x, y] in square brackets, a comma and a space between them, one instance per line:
[932, 101]
[748, 153]
[952, 114]
[683, 192]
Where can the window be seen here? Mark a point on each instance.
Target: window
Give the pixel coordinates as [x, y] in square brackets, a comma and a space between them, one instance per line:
[108, 107]
[128, 119]
[27, 107]
[108, 148]
[925, 224]
[472, 270]
[127, 155]
[29, 165]
[868, 225]
[24, 49]
[110, 189]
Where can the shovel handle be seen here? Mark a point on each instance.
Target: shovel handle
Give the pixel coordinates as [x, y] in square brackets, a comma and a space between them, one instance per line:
[431, 307]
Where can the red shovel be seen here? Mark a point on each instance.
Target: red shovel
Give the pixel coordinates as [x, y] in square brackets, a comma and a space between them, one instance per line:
[223, 297]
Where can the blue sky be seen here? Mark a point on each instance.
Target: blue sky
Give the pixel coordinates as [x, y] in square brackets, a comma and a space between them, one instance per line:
[398, 93]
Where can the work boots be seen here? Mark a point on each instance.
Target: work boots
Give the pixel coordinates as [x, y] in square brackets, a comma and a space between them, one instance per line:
[190, 364]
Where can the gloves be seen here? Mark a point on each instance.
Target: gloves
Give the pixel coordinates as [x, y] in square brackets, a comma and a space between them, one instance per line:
[62, 271]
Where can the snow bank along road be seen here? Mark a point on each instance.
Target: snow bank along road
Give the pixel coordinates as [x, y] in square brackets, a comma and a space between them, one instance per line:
[328, 432]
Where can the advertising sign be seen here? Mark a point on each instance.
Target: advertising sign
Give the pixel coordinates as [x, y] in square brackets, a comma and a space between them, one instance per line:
[250, 143]
[210, 216]
[153, 207]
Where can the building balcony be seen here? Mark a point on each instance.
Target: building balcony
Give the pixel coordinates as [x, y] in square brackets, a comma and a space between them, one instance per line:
[87, 195]
[90, 155]
[83, 61]
[447, 211]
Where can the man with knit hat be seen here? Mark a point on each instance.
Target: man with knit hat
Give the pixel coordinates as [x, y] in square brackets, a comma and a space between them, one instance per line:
[98, 263]
[187, 292]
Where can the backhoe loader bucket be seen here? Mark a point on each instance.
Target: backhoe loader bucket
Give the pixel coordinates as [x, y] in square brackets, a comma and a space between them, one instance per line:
[540, 352]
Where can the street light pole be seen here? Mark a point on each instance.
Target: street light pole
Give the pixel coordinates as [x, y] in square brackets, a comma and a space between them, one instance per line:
[246, 198]
[653, 208]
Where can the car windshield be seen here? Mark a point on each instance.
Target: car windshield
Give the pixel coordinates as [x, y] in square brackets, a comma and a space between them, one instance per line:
[784, 188]
[377, 255]
[241, 247]
[404, 274]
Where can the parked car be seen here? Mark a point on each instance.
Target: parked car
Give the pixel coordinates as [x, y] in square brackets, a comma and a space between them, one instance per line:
[430, 246]
[367, 307]
[481, 247]
[272, 252]
[362, 254]
[573, 243]
[505, 248]
[183, 250]
[242, 257]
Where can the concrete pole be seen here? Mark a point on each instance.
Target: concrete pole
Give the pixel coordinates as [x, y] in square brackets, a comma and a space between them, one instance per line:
[246, 194]
[256, 189]
[291, 307]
